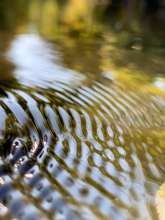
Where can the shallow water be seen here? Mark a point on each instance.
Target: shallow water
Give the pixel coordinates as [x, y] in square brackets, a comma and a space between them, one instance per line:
[81, 129]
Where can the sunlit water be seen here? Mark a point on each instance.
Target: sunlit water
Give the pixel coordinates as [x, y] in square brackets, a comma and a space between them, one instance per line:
[76, 145]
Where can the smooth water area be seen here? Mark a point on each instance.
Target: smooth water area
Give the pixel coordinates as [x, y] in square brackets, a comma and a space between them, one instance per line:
[82, 126]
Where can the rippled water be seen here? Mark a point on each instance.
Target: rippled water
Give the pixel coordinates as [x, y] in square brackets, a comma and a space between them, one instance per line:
[76, 145]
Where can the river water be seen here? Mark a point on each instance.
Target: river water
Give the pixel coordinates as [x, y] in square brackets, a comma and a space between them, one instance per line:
[81, 126]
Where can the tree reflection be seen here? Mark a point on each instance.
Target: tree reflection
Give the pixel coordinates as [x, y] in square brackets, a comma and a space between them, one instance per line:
[91, 33]
[12, 13]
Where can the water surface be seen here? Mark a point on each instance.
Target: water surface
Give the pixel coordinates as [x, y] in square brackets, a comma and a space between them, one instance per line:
[81, 125]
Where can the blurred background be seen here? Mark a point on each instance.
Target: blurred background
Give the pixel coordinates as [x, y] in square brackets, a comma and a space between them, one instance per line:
[126, 37]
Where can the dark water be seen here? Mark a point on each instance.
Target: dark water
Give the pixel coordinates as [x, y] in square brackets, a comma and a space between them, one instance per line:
[81, 128]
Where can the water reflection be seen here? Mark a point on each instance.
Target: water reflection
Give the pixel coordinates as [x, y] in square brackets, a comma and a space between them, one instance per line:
[36, 61]
[160, 201]
[82, 116]
[87, 148]
[159, 83]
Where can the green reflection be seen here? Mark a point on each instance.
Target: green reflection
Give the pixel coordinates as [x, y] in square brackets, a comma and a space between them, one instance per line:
[106, 130]
[93, 36]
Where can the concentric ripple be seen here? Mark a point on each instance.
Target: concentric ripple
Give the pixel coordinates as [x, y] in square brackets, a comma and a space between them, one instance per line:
[90, 152]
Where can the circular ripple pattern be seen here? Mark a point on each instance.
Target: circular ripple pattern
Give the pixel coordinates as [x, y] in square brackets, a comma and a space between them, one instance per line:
[90, 152]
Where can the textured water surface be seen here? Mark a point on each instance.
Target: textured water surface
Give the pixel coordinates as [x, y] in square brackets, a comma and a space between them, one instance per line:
[82, 109]
[89, 151]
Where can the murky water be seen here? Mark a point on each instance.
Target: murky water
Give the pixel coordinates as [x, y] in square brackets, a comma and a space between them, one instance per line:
[81, 128]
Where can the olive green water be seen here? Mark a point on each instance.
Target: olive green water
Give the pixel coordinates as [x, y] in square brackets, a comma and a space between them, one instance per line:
[82, 116]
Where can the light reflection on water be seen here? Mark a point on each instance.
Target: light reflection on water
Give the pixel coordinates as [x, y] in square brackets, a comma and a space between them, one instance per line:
[35, 60]
[78, 144]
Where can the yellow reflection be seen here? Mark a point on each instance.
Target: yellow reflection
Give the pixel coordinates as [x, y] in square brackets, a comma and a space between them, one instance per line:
[78, 13]
[160, 202]
[71, 23]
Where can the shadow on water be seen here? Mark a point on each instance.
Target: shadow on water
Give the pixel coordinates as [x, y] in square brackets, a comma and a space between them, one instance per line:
[81, 110]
